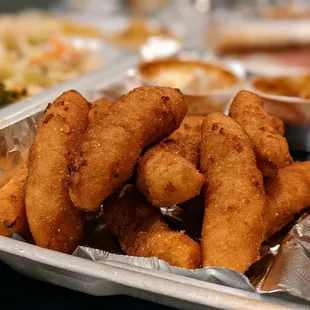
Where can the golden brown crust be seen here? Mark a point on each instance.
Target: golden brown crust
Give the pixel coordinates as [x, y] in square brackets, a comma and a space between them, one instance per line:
[98, 109]
[191, 125]
[167, 173]
[233, 225]
[12, 205]
[287, 194]
[270, 147]
[141, 231]
[9, 166]
[277, 125]
[111, 147]
[53, 220]
[186, 147]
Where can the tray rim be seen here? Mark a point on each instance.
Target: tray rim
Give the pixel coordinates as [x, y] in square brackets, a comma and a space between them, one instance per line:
[176, 286]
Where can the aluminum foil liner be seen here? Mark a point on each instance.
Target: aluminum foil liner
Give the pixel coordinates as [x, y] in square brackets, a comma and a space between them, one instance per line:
[285, 265]
[220, 276]
[291, 267]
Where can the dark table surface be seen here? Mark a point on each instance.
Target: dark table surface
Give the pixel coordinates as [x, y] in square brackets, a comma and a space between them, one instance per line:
[18, 292]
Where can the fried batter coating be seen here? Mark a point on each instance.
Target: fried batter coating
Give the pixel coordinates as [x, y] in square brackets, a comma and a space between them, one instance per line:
[233, 225]
[12, 205]
[8, 164]
[110, 148]
[98, 109]
[53, 220]
[277, 125]
[287, 194]
[142, 231]
[191, 125]
[167, 173]
[270, 147]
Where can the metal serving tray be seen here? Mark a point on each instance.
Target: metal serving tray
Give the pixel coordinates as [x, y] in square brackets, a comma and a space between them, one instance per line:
[102, 279]
[116, 277]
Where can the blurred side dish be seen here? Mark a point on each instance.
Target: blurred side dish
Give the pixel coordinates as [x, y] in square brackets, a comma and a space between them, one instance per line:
[206, 87]
[136, 33]
[298, 86]
[36, 52]
[286, 12]
[128, 159]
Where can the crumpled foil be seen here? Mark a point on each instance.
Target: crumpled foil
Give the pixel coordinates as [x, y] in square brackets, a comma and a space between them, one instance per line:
[284, 266]
[290, 270]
